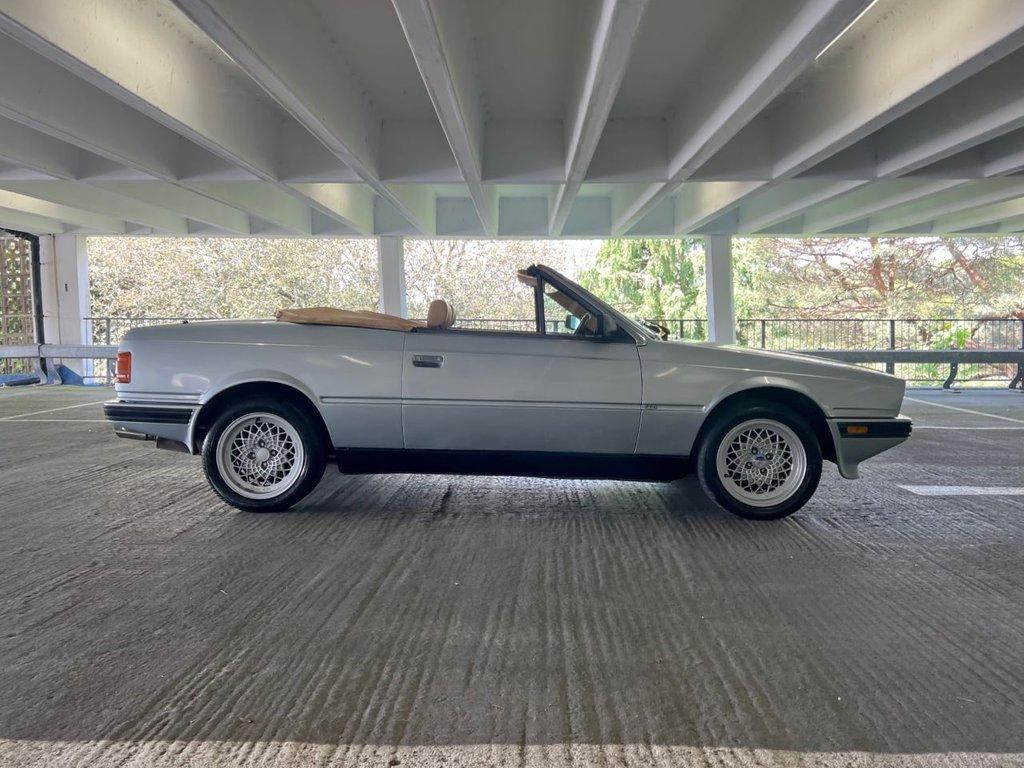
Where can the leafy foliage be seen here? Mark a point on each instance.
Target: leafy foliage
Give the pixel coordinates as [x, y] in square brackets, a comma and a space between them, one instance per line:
[881, 277]
[171, 277]
[773, 277]
[479, 276]
[649, 278]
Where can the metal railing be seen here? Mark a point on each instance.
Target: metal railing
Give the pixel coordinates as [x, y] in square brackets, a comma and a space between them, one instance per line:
[899, 334]
[808, 335]
[889, 333]
[110, 330]
[763, 333]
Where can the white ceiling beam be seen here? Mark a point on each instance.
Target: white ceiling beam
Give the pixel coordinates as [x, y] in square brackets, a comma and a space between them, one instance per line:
[88, 198]
[911, 52]
[16, 172]
[607, 57]
[1004, 155]
[631, 150]
[181, 89]
[786, 201]
[24, 146]
[443, 55]
[415, 150]
[192, 92]
[351, 204]
[1014, 226]
[188, 203]
[983, 107]
[333, 108]
[302, 160]
[701, 203]
[266, 201]
[960, 198]
[420, 200]
[740, 91]
[72, 111]
[27, 222]
[982, 217]
[869, 201]
[12, 201]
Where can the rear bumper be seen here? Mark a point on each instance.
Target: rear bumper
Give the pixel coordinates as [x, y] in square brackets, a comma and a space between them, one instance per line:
[857, 440]
[169, 424]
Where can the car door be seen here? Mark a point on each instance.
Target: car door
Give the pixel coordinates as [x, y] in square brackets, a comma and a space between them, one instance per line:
[510, 391]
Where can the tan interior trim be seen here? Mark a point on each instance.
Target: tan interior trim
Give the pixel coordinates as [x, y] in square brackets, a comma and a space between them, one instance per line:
[348, 317]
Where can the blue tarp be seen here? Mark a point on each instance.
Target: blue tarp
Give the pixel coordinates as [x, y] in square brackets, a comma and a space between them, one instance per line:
[14, 379]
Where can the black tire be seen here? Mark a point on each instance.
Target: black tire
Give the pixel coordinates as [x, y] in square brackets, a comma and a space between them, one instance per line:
[307, 475]
[715, 488]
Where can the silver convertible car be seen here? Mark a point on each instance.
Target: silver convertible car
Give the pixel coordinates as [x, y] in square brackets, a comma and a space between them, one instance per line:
[584, 392]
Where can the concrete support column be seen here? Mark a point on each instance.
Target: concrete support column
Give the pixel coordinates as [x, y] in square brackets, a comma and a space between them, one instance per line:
[64, 284]
[718, 280]
[391, 266]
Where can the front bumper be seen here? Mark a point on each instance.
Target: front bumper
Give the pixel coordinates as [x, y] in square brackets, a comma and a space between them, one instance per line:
[169, 424]
[857, 440]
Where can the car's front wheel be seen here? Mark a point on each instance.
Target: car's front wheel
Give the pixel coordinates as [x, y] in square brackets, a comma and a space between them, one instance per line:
[760, 462]
[263, 455]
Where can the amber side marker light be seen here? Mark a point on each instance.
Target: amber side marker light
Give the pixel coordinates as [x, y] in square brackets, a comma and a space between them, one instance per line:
[123, 371]
[856, 429]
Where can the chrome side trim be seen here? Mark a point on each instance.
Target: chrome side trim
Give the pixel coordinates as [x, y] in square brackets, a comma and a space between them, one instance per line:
[341, 400]
[520, 404]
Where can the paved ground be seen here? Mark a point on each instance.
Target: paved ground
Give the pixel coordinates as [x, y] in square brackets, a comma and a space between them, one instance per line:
[477, 621]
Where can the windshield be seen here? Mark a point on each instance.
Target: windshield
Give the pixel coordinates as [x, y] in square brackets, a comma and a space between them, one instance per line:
[633, 327]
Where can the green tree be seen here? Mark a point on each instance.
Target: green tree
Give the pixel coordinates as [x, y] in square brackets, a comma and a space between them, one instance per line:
[880, 277]
[650, 278]
[221, 277]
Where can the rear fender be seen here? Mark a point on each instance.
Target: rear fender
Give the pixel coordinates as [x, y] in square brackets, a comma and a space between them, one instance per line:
[246, 377]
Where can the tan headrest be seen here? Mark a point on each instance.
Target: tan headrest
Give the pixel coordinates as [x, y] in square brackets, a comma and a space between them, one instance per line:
[440, 314]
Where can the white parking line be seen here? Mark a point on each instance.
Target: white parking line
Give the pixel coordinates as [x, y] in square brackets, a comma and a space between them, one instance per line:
[965, 410]
[969, 429]
[53, 421]
[62, 408]
[962, 490]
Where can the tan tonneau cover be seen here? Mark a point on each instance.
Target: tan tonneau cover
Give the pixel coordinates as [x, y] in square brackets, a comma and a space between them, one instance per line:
[348, 317]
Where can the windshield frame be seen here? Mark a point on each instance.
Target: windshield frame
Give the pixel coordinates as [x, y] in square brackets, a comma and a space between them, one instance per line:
[639, 333]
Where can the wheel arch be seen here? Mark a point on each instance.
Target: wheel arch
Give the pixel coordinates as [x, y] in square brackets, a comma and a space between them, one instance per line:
[216, 400]
[777, 394]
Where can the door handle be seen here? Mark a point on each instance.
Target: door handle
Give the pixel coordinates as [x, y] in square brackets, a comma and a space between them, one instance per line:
[427, 361]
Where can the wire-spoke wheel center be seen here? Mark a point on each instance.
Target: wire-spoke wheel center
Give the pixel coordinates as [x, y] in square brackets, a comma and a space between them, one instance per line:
[761, 462]
[260, 455]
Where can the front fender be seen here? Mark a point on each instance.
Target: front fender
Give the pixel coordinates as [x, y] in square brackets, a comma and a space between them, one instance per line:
[772, 381]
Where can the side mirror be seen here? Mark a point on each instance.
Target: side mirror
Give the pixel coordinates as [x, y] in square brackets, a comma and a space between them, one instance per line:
[572, 322]
[661, 330]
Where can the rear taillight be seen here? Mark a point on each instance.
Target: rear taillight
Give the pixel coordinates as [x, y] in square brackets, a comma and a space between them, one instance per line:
[123, 374]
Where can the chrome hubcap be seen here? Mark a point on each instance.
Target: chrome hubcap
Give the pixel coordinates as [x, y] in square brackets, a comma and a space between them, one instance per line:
[260, 455]
[761, 462]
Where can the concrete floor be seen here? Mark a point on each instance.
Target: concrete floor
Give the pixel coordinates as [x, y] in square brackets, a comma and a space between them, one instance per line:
[425, 620]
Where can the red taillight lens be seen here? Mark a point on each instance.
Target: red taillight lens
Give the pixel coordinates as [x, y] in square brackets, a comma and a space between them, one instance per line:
[123, 373]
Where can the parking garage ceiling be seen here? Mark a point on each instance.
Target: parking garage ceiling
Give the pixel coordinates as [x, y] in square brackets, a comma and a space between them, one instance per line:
[535, 118]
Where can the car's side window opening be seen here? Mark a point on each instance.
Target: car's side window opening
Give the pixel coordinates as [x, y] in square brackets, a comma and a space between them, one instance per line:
[556, 313]
[522, 319]
[563, 316]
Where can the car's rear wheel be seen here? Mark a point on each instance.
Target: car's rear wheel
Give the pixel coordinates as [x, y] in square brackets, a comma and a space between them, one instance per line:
[263, 455]
[761, 462]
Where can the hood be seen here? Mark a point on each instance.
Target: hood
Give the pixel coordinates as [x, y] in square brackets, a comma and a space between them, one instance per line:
[841, 388]
[771, 360]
